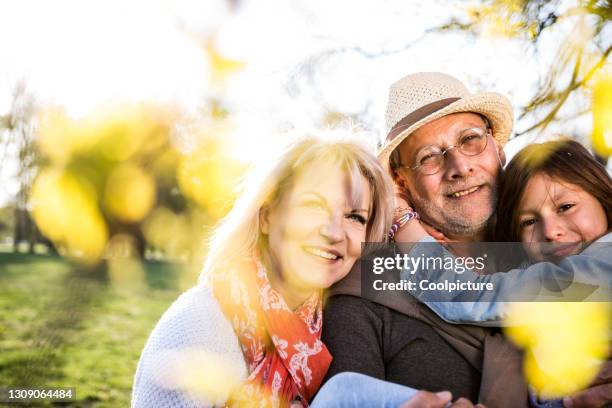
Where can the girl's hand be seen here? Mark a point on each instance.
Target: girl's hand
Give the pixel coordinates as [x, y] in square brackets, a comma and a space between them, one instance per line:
[425, 399]
[436, 234]
[412, 231]
[415, 230]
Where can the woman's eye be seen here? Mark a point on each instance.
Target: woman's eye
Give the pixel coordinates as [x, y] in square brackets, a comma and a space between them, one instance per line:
[359, 218]
[565, 207]
[528, 222]
[314, 204]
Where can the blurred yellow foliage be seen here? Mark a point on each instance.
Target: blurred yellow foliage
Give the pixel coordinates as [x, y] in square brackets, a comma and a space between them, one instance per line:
[130, 193]
[500, 18]
[221, 67]
[602, 115]
[125, 270]
[209, 176]
[127, 130]
[164, 165]
[565, 343]
[207, 376]
[110, 149]
[126, 162]
[169, 232]
[116, 132]
[61, 137]
[65, 209]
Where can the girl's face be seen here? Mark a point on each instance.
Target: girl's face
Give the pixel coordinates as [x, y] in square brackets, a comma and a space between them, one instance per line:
[557, 219]
[316, 230]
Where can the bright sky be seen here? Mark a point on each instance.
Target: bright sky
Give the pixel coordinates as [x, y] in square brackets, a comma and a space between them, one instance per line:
[302, 56]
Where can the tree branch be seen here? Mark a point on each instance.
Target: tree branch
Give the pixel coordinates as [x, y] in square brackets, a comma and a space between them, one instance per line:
[563, 95]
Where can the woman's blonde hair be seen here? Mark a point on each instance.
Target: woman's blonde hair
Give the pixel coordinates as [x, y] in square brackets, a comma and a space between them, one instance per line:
[239, 233]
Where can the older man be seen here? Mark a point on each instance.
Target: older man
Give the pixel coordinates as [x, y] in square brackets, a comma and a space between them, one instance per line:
[444, 150]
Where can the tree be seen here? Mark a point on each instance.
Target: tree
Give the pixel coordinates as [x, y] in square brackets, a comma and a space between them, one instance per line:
[18, 130]
[583, 51]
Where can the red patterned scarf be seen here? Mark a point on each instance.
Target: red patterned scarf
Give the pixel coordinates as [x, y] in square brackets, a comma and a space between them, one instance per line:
[283, 350]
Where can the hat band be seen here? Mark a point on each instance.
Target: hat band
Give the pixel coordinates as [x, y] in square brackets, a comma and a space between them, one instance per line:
[417, 115]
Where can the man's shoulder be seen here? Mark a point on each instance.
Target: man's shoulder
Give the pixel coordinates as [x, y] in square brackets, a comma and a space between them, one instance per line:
[350, 284]
[350, 304]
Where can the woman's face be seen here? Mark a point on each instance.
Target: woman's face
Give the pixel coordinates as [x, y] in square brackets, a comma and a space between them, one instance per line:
[557, 219]
[316, 230]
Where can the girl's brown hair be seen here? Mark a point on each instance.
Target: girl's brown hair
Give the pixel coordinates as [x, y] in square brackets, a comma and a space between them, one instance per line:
[565, 160]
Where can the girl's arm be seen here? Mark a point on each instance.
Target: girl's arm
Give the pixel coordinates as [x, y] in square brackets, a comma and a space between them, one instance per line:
[585, 273]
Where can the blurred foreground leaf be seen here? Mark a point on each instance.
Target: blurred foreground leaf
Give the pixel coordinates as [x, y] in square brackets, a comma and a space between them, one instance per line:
[565, 343]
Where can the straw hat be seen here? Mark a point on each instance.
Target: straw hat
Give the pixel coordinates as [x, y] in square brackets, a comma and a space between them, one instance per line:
[420, 98]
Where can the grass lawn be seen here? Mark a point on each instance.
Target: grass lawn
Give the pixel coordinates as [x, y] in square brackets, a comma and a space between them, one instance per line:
[61, 327]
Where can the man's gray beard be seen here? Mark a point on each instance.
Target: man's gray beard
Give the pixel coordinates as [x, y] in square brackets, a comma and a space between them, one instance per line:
[452, 223]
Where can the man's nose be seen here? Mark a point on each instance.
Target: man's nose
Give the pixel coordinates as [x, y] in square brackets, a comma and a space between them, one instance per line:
[457, 164]
[332, 229]
[552, 228]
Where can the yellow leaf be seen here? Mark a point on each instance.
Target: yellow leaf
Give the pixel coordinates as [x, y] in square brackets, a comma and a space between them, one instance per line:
[130, 193]
[207, 376]
[602, 115]
[209, 177]
[222, 67]
[565, 343]
[65, 210]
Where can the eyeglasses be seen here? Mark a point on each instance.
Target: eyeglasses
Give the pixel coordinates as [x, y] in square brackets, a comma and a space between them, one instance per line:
[430, 159]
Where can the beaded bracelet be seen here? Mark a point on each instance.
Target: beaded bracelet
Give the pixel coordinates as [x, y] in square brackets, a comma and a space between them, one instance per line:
[402, 210]
[401, 221]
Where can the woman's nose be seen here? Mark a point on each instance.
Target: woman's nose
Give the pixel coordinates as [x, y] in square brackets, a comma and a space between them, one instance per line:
[332, 229]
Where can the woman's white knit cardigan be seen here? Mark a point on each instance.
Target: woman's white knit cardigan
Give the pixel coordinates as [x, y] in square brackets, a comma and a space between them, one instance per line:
[191, 329]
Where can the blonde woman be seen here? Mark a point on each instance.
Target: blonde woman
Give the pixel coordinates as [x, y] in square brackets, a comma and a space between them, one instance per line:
[254, 323]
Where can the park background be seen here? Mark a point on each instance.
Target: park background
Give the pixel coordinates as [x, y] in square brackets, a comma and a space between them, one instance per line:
[126, 128]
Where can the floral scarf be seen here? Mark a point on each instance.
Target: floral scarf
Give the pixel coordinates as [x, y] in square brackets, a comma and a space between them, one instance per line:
[285, 356]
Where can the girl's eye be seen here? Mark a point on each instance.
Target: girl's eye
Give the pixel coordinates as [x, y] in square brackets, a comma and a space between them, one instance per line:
[565, 207]
[526, 223]
[358, 218]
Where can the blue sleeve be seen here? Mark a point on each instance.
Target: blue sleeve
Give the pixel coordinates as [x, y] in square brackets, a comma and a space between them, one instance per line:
[589, 271]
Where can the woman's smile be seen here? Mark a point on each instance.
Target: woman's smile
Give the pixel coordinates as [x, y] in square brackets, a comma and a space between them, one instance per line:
[320, 252]
[561, 250]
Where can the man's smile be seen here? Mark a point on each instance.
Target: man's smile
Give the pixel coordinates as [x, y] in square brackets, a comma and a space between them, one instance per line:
[465, 193]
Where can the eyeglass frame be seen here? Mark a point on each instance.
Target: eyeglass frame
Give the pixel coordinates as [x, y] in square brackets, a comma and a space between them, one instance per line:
[488, 132]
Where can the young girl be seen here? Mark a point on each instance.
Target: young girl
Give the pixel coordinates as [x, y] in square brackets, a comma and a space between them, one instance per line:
[554, 193]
